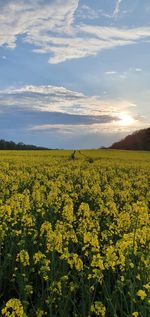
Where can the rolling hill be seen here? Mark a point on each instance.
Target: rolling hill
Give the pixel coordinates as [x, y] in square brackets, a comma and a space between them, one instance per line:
[139, 140]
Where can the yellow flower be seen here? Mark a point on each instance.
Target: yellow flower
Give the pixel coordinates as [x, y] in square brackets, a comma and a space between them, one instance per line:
[97, 261]
[23, 257]
[99, 309]
[38, 256]
[13, 308]
[135, 314]
[78, 264]
[147, 286]
[141, 294]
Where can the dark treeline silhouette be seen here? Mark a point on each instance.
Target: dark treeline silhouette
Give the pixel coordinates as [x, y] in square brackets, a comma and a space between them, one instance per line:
[139, 140]
[10, 145]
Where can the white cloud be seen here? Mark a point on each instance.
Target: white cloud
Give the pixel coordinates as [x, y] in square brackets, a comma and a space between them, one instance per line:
[34, 19]
[88, 40]
[64, 128]
[82, 129]
[59, 99]
[138, 69]
[3, 57]
[94, 115]
[111, 34]
[86, 12]
[123, 74]
[111, 72]
[117, 8]
[49, 26]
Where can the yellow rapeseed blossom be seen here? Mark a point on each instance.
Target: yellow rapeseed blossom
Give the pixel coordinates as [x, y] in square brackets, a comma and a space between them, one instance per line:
[141, 294]
[97, 261]
[13, 308]
[135, 314]
[23, 258]
[147, 286]
[74, 234]
[98, 309]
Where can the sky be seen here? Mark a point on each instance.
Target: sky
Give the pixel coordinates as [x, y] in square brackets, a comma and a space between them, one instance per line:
[74, 73]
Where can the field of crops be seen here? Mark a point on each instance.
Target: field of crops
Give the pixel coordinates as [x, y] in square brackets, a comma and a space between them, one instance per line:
[74, 234]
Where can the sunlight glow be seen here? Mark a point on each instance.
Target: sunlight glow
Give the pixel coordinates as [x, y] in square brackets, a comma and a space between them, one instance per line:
[126, 119]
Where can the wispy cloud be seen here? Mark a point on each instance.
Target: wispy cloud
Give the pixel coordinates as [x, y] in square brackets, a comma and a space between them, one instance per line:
[70, 129]
[123, 74]
[92, 40]
[87, 40]
[111, 72]
[3, 57]
[59, 99]
[86, 12]
[50, 27]
[70, 110]
[138, 69]
[34, 19]
[117, 8]
[82, 129]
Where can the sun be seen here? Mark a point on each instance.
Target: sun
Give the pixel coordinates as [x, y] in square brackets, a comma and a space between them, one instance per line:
[125, 119]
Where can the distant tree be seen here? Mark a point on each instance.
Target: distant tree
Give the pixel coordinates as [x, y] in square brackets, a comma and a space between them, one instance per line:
[10, 145]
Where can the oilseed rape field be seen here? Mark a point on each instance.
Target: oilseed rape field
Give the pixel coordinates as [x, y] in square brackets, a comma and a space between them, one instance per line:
[74, 233]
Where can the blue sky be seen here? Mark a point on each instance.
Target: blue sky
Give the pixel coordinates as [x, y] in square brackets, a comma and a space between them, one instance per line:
[74, 73]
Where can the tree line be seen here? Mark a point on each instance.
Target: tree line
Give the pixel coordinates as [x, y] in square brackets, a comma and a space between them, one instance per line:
[139, 140]
[10, 145]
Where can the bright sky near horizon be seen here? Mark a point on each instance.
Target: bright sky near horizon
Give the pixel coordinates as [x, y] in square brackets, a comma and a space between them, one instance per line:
[74, 73]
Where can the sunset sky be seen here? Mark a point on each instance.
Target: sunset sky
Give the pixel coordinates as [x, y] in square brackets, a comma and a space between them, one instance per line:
[74, 73]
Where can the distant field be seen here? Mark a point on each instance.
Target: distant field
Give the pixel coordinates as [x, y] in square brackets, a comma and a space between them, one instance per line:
[74, 233]
[95, 154]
